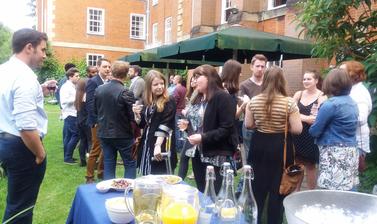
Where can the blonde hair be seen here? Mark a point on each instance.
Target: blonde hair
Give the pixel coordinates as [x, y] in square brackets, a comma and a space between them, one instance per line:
[149, 100]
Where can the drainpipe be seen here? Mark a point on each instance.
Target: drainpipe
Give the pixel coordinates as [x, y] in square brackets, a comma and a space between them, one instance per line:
[147, 24]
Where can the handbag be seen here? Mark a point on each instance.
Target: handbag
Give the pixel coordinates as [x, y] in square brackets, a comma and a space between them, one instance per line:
[293, 173]
[362, 164]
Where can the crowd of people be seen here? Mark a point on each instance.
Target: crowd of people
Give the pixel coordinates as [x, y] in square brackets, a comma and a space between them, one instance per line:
[153, 120]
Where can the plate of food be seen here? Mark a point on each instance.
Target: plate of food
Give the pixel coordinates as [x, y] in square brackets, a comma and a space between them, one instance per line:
[170, 179]
[118, 184]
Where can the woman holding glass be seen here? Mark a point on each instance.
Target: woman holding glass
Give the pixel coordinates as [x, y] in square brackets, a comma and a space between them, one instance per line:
[189, 113]
[268, 113]
[216, 137]
[157, 118]
[308, 102]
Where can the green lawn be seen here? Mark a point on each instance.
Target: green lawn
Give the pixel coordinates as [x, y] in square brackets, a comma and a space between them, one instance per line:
[60, 182]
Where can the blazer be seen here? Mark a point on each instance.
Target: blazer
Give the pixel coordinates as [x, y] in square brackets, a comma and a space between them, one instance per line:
[113, 107]
[219, 135]
[90, 88]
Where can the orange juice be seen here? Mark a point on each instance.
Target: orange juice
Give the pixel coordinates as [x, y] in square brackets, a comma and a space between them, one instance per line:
[179, 213]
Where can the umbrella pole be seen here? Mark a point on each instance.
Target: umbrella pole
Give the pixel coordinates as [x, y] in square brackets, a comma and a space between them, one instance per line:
[235, 54]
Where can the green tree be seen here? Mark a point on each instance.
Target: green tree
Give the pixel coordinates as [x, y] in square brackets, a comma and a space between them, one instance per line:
[5, 43]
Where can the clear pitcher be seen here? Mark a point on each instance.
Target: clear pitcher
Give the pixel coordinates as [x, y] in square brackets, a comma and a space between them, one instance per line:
[146, 199]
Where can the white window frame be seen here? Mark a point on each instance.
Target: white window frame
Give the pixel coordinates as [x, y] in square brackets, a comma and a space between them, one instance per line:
[168, 32]
[272, 6]
[101, 22]
[225, 5]
[154, 33]
[93, 62]
[154, 2]
[143, 25]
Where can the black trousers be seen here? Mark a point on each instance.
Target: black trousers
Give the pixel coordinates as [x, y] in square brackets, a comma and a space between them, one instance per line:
[267, 161]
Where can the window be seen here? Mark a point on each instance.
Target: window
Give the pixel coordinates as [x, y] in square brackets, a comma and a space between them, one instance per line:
[91, 59]
[276, 3]
[154, 2]
[137, 29]
[168, 22]
[95, 21]
[227, 9]
[154, 33]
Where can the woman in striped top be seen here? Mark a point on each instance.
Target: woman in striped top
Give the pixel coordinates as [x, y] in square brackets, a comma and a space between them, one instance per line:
[267, 112]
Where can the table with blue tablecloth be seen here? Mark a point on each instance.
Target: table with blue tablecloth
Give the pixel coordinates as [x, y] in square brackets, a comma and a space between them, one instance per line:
[88, 206]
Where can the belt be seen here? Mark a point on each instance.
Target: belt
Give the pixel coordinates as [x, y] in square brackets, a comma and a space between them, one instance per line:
[7, 135]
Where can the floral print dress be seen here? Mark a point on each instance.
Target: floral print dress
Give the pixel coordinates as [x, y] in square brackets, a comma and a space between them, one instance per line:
[334, 167]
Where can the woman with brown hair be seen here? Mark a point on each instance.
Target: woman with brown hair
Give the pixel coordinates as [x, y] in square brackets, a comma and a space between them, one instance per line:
[360, 94]
[268, 113]
[82, 115]
[334, 131]
[157, 118]
[308, 102]
[216, 135]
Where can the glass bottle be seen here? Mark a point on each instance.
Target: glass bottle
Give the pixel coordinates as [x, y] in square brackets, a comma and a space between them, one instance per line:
[229, 210]
[222, 192]
[246, 201]
[208, 210]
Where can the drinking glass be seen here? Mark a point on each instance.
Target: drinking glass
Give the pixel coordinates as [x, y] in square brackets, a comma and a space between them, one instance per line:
[183, 133]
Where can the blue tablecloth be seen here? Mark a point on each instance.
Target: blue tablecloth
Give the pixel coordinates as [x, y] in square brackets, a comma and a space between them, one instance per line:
[88, 205]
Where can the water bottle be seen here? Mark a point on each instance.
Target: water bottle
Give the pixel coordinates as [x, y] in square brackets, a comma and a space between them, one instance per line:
[208, 209]
[246, 201]
[222, 192]
[229, 210]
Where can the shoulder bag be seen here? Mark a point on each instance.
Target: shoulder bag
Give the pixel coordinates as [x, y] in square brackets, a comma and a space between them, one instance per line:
[293, 173]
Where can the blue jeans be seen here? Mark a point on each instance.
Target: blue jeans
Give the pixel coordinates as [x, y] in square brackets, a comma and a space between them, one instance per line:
[110, 147]
[247, 135]
[71, 137]
[24, 177]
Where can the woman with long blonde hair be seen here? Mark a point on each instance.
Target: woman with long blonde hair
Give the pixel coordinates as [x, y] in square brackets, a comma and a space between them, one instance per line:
[157, 118]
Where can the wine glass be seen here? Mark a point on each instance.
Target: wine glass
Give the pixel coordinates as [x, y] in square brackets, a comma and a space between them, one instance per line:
[182, 128]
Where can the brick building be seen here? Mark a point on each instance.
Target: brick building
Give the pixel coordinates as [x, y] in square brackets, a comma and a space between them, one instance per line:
[99, 28]
[92, 28]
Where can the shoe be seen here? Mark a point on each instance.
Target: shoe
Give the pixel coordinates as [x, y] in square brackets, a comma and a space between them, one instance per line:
[89, 180]
[70, 162]
[191, 176]
[82, 163]
[100, 177]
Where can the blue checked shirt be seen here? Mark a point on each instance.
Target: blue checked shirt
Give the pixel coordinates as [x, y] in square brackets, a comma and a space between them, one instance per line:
[21, 99]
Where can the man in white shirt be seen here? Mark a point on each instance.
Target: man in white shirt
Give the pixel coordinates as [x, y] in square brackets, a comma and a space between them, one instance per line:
[23, 124]
[69, 114]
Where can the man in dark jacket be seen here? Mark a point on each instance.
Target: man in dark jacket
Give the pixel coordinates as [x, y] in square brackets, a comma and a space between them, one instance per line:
[113, 104]
[104, 70]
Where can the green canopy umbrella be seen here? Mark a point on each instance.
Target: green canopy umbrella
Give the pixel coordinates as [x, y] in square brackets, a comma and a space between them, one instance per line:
[149, 59]
[238, 43]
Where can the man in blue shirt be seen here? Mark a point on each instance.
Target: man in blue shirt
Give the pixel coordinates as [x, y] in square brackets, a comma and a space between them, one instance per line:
[23, 124]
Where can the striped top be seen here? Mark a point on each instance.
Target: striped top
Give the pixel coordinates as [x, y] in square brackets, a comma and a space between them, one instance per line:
[275, 123]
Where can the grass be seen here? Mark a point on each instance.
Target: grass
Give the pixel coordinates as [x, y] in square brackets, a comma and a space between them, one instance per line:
[60, 182]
